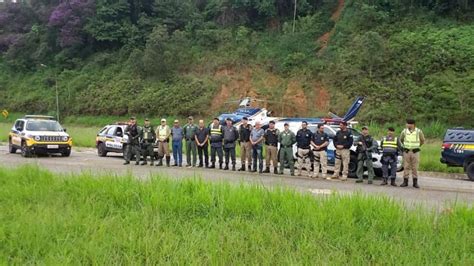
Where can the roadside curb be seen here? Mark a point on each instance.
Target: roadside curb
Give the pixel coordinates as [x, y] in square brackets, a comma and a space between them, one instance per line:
[443, 175]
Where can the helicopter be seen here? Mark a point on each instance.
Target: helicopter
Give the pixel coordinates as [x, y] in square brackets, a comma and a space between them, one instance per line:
[264, 116]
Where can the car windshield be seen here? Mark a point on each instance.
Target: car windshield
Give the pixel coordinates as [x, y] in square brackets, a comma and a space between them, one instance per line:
[43, 125]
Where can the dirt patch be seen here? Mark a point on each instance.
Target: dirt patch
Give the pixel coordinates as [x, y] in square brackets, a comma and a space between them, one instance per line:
[296, 99]
[324, 39]
[321, 98]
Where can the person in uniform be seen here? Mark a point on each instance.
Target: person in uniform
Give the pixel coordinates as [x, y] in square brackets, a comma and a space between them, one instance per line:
[216, 142]
[366, 145]
[202, 137]
[287, 139]
[411, 139]
[133, 146]
[245, 146]
[343, 142]
[177, 137]
[148, 141]
[231, 135]
[163, 133]
[320, 143]
[303, 142]
[190, 135]
[256, 139]
[390, 147]
[271, 151]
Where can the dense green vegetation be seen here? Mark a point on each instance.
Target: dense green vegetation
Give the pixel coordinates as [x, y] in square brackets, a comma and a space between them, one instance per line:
[50, 219]
[408, 57]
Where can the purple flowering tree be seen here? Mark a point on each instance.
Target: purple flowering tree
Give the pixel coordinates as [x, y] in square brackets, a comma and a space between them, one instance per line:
[69, 17]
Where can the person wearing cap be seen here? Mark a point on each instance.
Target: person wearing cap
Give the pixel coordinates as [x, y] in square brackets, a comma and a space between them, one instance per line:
[163, 133]
[256, 139]
[133, 146]
[190, 134]
[390, 147]
[148, 140]
[245, 146]
[177, 143]
[366, 145]
[319, 144]
[411, 139]
[202, 137]
[303, 142]
[231, 135]
[271, 150]
[216, 142]
[343, 142]
[287, 139]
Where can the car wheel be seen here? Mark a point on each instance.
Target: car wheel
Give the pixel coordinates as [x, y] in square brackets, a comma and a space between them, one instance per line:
[378, 172]
[101, 151]
[25, 150]
[66, 153]
[353, 166]
[470, 171]
[11, 148]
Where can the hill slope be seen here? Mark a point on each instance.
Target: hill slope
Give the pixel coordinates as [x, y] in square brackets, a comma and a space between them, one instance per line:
[409, 58]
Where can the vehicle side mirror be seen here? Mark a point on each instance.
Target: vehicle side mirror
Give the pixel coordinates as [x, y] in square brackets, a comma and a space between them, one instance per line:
[119, 134]
[64, 129]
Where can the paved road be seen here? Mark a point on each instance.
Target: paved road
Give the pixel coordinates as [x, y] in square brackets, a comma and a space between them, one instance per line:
[434, 193]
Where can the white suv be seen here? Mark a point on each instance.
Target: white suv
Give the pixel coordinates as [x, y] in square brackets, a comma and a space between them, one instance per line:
[34, 134]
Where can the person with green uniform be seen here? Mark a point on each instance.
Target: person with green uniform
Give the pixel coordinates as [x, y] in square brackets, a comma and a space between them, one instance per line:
[148, 139]
[287, 139]
[366, 145]
[189, 135]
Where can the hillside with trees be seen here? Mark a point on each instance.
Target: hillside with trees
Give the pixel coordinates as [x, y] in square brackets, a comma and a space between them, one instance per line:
[407, 57]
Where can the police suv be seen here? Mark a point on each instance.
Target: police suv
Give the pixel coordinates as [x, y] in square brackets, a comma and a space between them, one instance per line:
[458, 149]
[112, 138]
[330, 130]
[37, 134]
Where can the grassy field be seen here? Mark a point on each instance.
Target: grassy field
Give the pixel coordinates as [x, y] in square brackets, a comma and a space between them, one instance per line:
[50, 219]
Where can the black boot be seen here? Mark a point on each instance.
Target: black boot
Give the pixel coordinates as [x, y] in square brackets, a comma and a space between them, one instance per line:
[226, 166]
[275, 170]
[405, 182]
[267, 170]
[250, 168]
[213, 165]
[392, 182]
[242, 168]
[233, 167]
[384, 182]
[415, 183]
[160, 162]
[126, 162]
[144, 163]
[220, 166]
[168, 160]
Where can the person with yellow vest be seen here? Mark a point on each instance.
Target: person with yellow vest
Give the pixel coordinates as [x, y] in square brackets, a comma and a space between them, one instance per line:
[390, 148]
[215, 138]
[411, 139]
[163, 133]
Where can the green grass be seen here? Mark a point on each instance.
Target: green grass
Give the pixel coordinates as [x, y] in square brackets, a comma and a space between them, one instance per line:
[50, 219]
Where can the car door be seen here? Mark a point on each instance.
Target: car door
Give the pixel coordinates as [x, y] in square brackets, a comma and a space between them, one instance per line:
[17, 131]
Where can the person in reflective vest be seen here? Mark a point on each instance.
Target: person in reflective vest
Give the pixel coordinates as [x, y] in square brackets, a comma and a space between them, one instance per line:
[216, 142]
[148, 141]
[390, 148]
[411, 138]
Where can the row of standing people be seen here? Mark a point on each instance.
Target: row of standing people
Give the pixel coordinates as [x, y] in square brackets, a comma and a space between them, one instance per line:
[311, 148]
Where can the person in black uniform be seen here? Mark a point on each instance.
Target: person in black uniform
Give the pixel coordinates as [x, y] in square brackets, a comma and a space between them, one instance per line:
[303, 142]
[133, 146]
[245, 146]
[343, 142]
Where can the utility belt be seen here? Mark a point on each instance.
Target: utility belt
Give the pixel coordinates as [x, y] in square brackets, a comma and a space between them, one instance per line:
[319, 150]
[164, 141]
[304, 148]
[286, 146]
[189, 139]
[148, 141]
[229, 141]
[272, 144]
[412, 150]
[215, 140]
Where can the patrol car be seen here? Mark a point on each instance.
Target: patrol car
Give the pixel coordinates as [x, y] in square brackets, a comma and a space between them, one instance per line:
[458, 150]
[331, 128]
[112, 138]
[37, 134]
